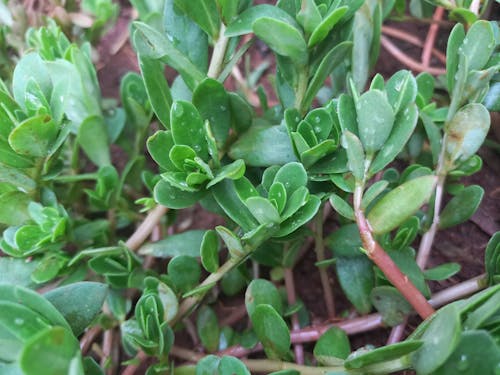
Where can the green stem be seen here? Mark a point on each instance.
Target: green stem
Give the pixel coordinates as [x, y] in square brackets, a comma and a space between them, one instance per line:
[218, 54]
[75, 178]
[319, 248]
[301, 91]
[189, 303]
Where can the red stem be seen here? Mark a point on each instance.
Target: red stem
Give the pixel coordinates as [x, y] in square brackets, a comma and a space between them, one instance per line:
[431, 37]
[391, 270]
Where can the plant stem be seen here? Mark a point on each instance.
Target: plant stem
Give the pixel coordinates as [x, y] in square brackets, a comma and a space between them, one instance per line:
[189, 303]
[431, 37]
[428, 238]
[144, 230]
[368, 322]
[319, 248]
[301, 90]
[218, 54]
[290, 292]
[460, 290]
[385, 263]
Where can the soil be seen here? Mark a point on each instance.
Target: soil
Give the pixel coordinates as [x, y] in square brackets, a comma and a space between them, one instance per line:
[464, 243]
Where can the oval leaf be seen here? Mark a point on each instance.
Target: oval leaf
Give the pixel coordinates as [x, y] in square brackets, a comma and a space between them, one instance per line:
[399, 204]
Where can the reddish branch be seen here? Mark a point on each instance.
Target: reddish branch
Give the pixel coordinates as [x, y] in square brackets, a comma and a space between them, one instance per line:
[408, 61]
[404, 36]
[391, 270]
[431, 37]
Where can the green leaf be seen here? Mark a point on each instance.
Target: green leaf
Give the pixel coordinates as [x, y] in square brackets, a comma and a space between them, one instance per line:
[226, 196]
[425, 84]
[233, 171]
[263, 210]
[261, 291]
[208, 329]
[382, 354]
[390, 304]
[373, 192]
[375, 120]
[461, 207]
[347, 114]
[292, 176]
[55, 350]
[30, 67]
[404, 126]
[34, 136]
[180, 154]
[455, 41]
[442, 272]
[301, 217]
[401, 90]
[184, 272]
[327, 65]
[14, 207]
[212, 102]
[228, 10]
[186, 243]
[159, 146]
[209, 250]
[466, 132]
[34, 302]
[231, 241]
[323, 29]
[345, 241]
[17, 271]
[204, 13]
[241, 113]
[157, 88]
[187, 127]
[282, 38]
[355, 154]
[440, 340]
[207, 365]
[18, 324]
[79, 303]
[263, 146]
[357, 280]
[278, 195]
[186, 35]
[479, 44]
[93, 138]
[342, 207]
[477, 318]
[232, 366]
[332, 347]
[271, 330]
[476, 353]
[309, 16]
[400, 203]
[363, 30]
[491, 255]
[243, 24]
[152, 44]
[171, 197]
[297, 200]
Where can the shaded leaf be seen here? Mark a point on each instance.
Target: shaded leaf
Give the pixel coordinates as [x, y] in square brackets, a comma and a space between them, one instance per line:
[79, 303]
[185, 243]
[271, 330]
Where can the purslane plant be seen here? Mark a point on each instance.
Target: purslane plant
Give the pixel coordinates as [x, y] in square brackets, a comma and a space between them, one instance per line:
[267, 175]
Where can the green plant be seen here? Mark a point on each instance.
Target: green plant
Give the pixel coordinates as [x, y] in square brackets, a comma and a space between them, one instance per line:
[269, 174]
